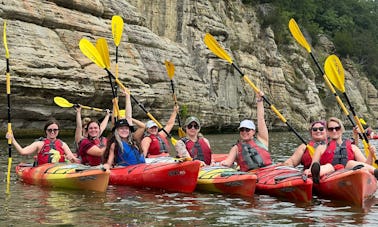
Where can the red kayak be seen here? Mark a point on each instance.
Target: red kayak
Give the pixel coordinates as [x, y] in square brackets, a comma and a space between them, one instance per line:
[354, 186]
[171, 176]
[284, 182]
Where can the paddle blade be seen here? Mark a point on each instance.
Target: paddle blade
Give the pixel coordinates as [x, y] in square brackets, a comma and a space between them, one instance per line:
[170, 69]
[181, 132]
[102, 48]
[216, 48]
[5, 40]
[335, 72]
[89, 50]
[62, 102]
[362, 121]
[297, 34]
[117, 29]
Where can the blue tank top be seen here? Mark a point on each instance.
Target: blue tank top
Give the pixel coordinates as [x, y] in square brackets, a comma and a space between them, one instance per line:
[129, 156]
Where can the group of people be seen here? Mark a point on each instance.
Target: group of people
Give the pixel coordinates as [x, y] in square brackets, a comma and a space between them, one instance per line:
[127, 146]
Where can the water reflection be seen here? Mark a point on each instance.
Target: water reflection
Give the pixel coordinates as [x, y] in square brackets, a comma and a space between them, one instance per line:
[121, 206]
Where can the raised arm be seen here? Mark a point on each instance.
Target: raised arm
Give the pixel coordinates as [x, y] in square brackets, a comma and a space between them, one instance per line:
[171, 122]
[30, 149]
[262, 134]
[138, 134]
[104, 123]
[79, 125]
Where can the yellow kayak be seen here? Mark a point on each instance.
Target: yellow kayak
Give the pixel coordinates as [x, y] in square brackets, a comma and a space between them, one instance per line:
[226, 180]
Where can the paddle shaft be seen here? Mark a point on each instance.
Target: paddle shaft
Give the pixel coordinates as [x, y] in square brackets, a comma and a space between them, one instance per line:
[142, 107]
[175, 99]
[272, 107]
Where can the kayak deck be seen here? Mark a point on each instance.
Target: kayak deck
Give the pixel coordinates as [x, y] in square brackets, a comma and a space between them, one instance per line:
[353, 186]
[63, 175]
[171, 176]
[284, 182]
[226, 180]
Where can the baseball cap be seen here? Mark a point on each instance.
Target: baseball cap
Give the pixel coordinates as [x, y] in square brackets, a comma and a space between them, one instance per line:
[247, 124]
[151, 124]
[192, 119]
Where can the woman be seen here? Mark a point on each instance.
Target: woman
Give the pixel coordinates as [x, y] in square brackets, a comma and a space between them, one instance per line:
[194, 145]
[302, 155]
[49, 149]
[251, 151]
[122, 148]
[155, 143]
[338, 153]
[81, 126]
[92, 147]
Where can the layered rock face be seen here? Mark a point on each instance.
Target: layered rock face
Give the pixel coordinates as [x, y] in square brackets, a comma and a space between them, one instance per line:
[45, 62]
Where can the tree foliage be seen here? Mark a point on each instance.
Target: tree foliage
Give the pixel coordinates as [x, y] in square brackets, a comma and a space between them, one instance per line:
[351, 24]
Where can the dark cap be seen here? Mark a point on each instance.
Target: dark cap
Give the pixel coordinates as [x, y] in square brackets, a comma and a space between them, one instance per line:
[123, 122]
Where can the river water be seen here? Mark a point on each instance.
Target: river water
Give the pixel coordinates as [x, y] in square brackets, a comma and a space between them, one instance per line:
[29, 205]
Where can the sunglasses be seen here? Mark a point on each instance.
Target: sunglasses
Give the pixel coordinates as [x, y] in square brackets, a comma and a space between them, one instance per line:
[192, 125]
[244, 130]
[331, 129]
[315, 129]
[50, 130]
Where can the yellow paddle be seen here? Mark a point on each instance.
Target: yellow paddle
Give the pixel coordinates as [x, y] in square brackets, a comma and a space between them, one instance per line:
[171, 73]
[62, 102]
[117, 29]
[214, 46]
[89, 50]
[9, 106]
[299, 37]
[335, 72]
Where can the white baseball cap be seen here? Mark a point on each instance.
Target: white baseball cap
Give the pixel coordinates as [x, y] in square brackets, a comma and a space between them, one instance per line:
[247, 124]
[151, 124]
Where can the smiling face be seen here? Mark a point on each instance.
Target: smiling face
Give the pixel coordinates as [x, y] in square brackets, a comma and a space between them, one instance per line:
[318, 132]
[123, 131]
[153, 130]
[246, 133]
[192, 129]
[52, 131]
[93, 130]
[334, 130]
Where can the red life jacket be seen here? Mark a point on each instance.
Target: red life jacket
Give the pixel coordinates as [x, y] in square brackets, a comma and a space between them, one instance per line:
[84, 145]
[252, 156]
[159, 144]
[45, 156]
[337, 154]
[306, 157]
[198, 150]
[375, 137]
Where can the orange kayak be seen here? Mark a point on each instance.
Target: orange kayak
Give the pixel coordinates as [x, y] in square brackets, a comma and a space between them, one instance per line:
[284, 182]
[64, 175]
[354, 186]
[171, 176]
[226, 180]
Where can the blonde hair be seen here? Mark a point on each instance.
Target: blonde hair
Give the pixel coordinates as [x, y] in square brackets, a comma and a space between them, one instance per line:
[338, 121]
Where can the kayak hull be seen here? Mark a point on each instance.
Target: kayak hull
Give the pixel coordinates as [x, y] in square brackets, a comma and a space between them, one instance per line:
[169, 176]
[284, 182]
[352, 186]
[226, 180]
[63, 175]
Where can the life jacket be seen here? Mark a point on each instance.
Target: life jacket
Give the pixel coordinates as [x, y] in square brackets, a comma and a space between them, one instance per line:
[198, 150]
[84, 145]
[158, 145]
[129, 156]
[306, 157]
[51, 152]
[252, 156]
[375, 137]
[337, 154]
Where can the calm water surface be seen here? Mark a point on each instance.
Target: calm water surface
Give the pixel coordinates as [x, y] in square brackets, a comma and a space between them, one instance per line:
[120, 206]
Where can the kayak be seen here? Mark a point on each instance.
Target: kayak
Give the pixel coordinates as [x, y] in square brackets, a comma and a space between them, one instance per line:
[173, 175]
[226, 180]
[353, 186]
[284, 182]
[64, 175]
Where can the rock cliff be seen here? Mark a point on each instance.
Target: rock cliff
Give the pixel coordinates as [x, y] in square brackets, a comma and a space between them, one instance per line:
[45, 62]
